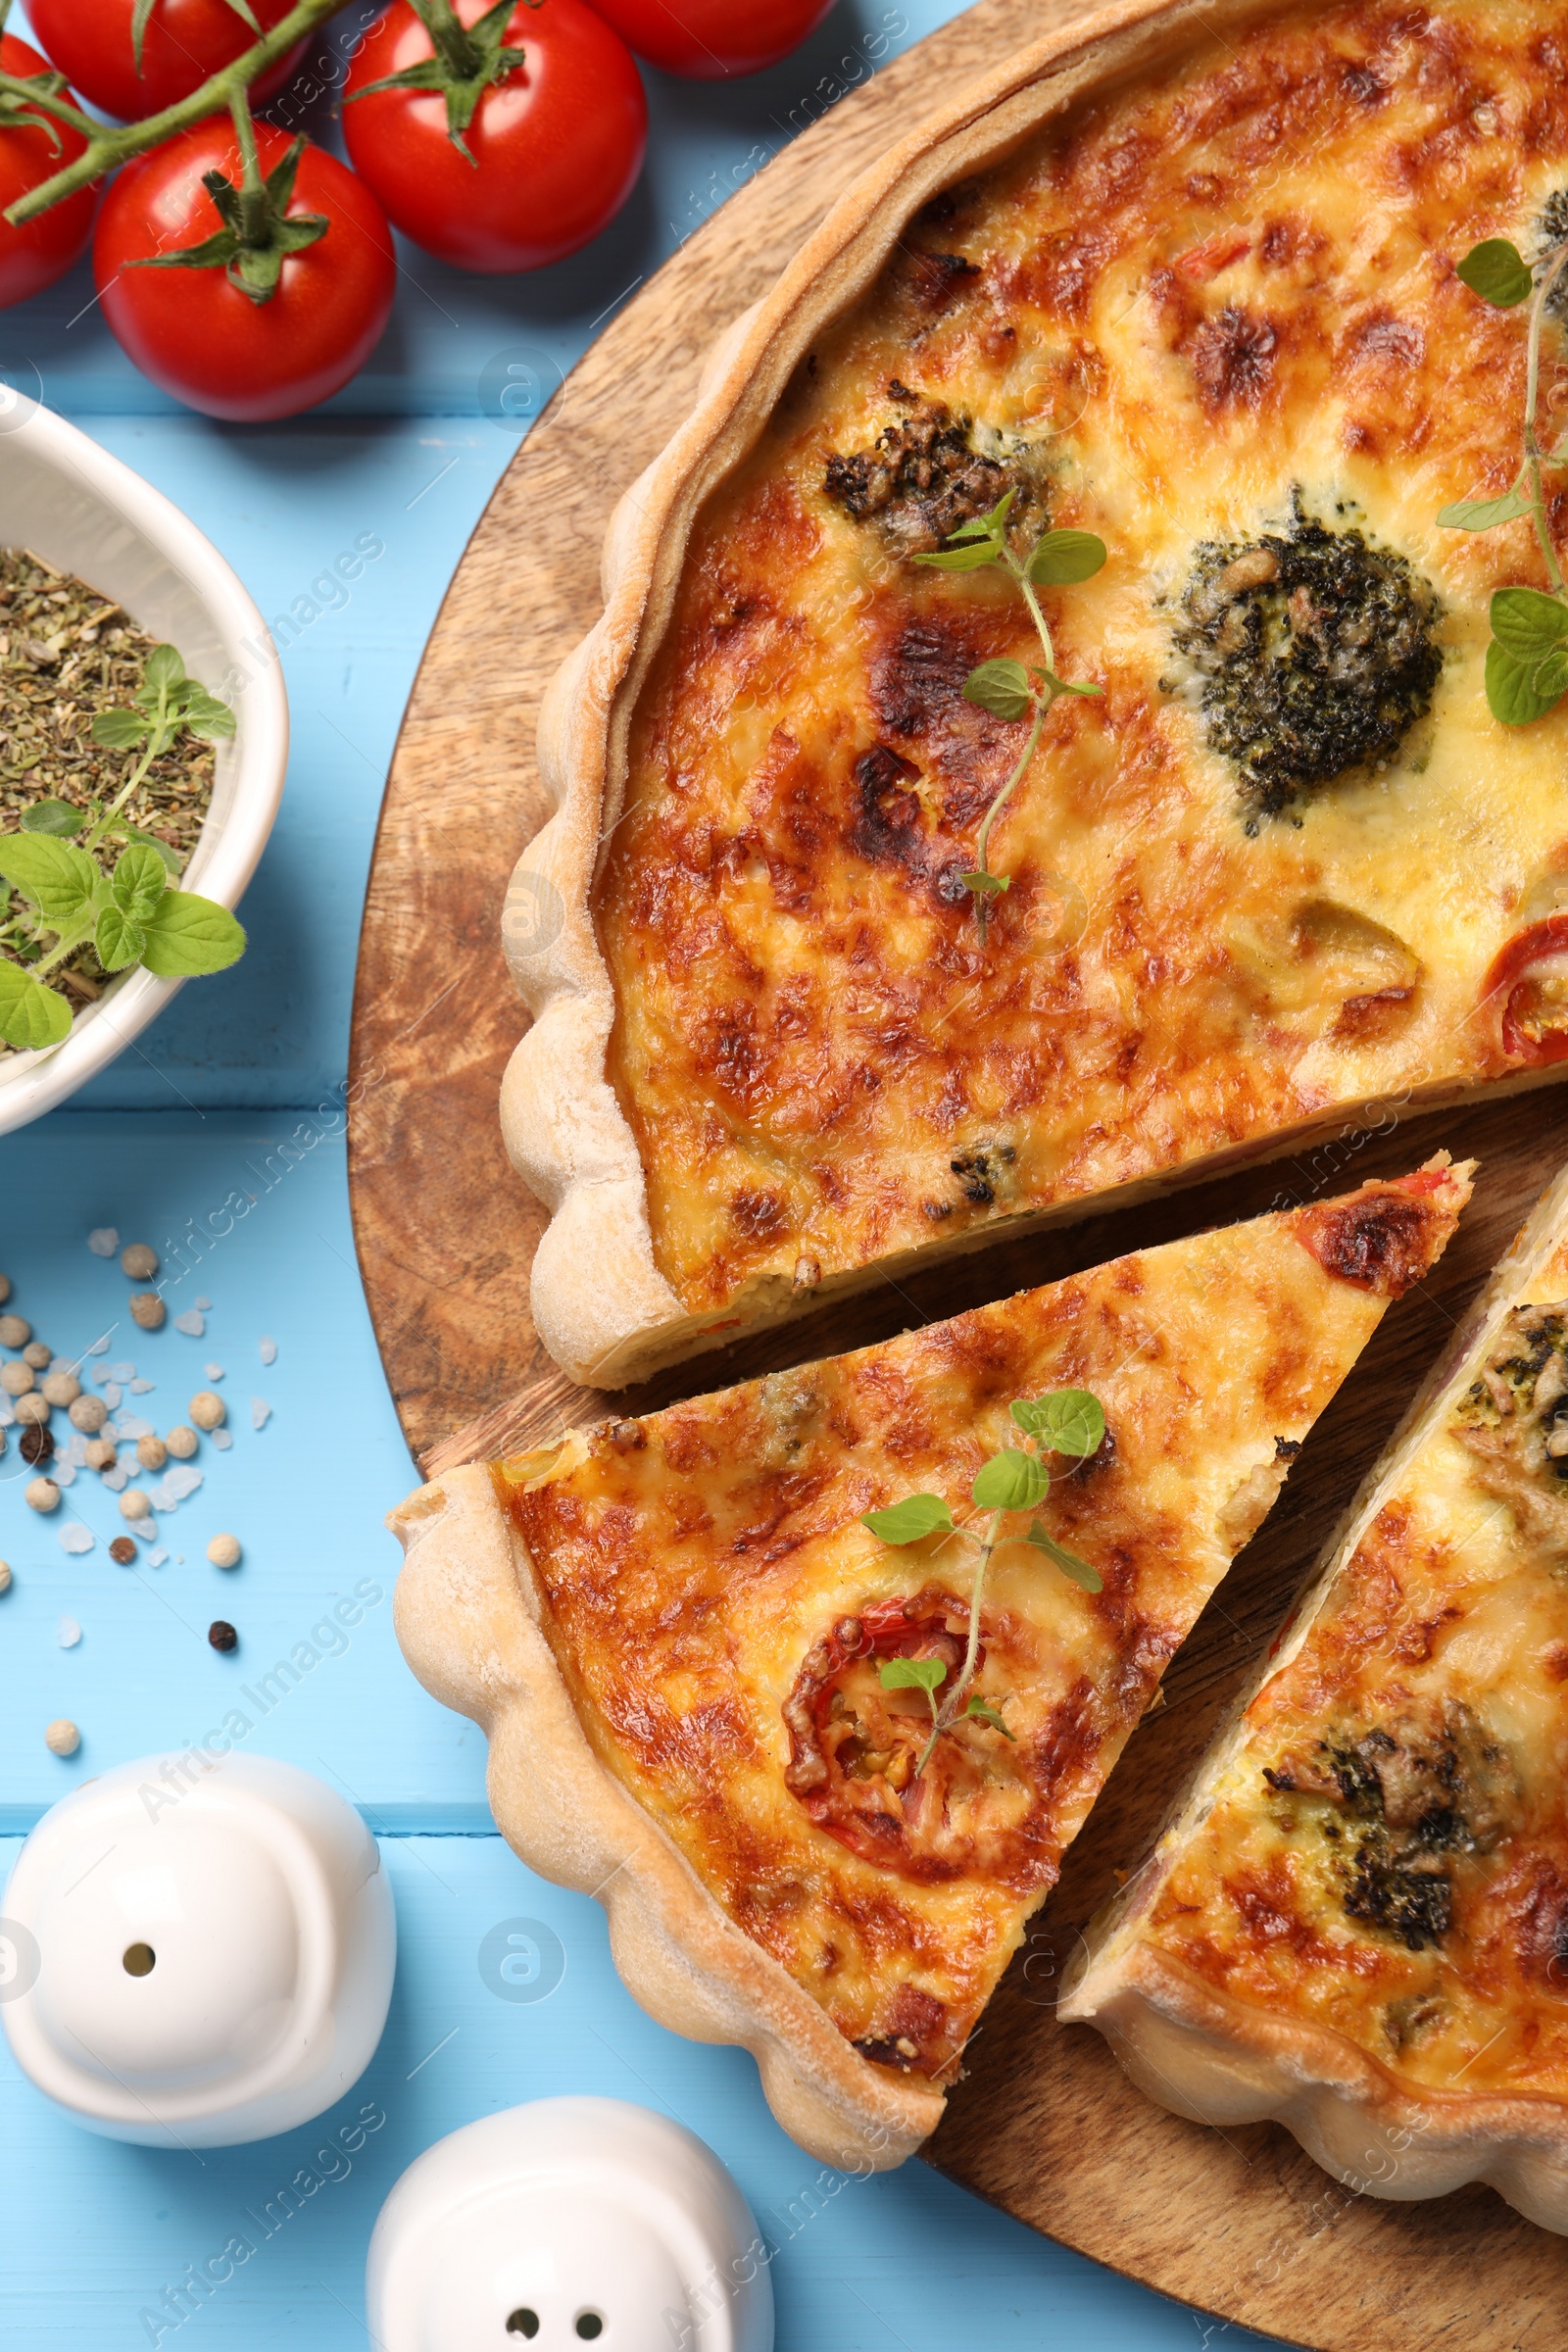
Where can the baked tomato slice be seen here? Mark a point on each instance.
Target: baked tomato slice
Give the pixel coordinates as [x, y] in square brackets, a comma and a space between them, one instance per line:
[1527, 986]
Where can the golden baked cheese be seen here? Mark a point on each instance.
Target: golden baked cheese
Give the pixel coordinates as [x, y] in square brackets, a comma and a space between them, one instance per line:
[1359, 1921]
[721, 1617]
[1215, 320]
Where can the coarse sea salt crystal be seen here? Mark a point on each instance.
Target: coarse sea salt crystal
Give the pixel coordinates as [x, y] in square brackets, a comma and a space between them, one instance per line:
[67, 1633]
[74, 1536]
[161, 1498]
[204, 1303]
[132, 1426]
[122, 1371]
[75, 1453]
[113, 1393]
[116, 1479]
[157, 1556]
[268, 1352]
[142, 1387]
[64, 1474]
[223, 1439]
[7, 1416]
[190, 1322]
[182, 1479]
[213, 1371]
[103, 1240]
[261, 1412]
[99, 1346]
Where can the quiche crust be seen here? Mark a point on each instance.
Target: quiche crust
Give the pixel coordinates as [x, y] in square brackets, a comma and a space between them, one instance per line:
[668, 1233]
[1407, 2036]
[658, 1624]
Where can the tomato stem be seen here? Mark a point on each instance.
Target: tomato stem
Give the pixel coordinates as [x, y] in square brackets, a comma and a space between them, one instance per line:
[108, 148]
[461, 56]
[253, 211]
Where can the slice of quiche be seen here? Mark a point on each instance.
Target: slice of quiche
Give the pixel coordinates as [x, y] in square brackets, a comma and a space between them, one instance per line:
[1358, 1921]
[734, 1678]
[1187, 288]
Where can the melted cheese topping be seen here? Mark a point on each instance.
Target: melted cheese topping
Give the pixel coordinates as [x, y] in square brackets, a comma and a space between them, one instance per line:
[1188, 302]
[1386, 1852]
[690, 1563]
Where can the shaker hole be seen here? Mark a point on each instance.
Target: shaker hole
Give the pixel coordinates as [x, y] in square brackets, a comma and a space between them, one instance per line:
[589, 2325]
[523, 2322]
[138, 1959]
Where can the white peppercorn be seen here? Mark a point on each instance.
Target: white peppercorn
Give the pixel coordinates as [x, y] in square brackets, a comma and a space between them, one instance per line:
[134, 1504]
[41, 1495]
[15, 1330]
[138, 1261]
[37, 1354]
[102, 1453]
[208, 1409]
[5, 1565]
[151, 1453]
[224, 1552]
[62, 1388]
[62, 1739]
[147, 1310]
[16, 1379]
[88, 1414]
[182, 1441]
[34, 1407]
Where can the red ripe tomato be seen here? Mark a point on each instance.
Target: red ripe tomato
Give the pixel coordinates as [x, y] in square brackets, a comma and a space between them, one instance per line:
[713, 41]
[202, 338]
[556, 146]
[185, 42]
[36, 256]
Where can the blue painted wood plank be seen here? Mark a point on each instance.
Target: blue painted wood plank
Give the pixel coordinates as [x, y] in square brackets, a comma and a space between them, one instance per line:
[101, 2241]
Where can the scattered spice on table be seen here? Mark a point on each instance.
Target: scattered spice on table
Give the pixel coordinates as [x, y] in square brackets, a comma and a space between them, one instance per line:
[62, 1739]
[122, 1550]
[66, 654]
[221, 1635]
[224, 1552]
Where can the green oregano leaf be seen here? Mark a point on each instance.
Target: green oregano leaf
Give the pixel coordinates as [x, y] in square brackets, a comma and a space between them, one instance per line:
[56, 818]
[1483, 514]
[1550, 676]
[1512, 696]
[913, 1674]
[164, 672]
[124, 831]
[1063, 558]
[31, 1015]
[984, 1712]
[1074, 1422]
[119, 730]
[1011, 1482]
[57, 878]
[971, 558]
[1526, 624]
[1000, 687]
[117, 940]
[188, 935]
[139, 880]
[1067, 1561]
[1496, 270]
[990, 886]
[909, 1521]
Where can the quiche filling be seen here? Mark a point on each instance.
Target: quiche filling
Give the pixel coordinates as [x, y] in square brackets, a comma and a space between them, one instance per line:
[1287, 859]
[736, 1639]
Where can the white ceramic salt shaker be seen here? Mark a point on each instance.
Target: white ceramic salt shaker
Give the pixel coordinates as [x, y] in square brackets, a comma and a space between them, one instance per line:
[564, 2222]
[197, 1951]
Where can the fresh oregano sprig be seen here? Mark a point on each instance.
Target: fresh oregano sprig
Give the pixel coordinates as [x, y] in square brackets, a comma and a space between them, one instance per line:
[1006, 688]
[129, 912]
[1527, 659]
[1068, 1421]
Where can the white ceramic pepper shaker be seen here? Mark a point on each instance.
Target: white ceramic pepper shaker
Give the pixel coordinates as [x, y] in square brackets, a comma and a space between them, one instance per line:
[561, 2223]
[197, 1951]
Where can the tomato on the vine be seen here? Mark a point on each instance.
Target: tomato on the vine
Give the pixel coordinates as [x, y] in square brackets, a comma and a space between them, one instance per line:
[713, 40]
[244, 354]
[33, 151]
[93, 42]
[553, 145]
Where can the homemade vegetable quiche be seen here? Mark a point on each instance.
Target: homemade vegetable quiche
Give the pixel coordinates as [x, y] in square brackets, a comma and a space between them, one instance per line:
[700, 1671]
[1359, 1922]
[1190, 286]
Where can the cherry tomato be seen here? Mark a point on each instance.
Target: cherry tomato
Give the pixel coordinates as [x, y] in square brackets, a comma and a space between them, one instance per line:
[36, 256]
[1527, 986]
[185, 42]
[713, 41]
[199, 336]
[556, 146]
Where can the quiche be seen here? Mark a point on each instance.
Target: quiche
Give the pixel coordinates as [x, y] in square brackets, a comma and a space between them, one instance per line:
[1190, 286]
[1358, 1921]
[727, 1705]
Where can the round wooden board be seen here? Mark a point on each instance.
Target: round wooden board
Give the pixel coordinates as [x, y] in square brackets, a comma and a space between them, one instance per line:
[1237, 2221]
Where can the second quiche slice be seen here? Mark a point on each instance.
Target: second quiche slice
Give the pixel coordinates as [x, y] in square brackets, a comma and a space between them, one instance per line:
[1357, 1923]
[710, 1686]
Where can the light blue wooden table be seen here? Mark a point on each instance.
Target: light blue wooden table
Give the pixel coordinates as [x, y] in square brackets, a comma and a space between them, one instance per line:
[94, 2236]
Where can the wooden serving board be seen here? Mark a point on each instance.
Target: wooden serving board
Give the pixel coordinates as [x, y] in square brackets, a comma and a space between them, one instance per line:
[1237, 2221]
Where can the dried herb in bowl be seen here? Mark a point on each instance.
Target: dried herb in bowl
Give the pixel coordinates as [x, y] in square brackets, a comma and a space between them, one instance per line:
[106, 775]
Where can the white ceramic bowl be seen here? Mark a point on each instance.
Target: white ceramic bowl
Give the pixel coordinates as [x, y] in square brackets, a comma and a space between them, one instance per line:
[85, 513]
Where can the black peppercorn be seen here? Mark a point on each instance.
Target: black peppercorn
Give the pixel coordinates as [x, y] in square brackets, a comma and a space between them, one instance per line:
[221, 1635]
[37, 1446]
